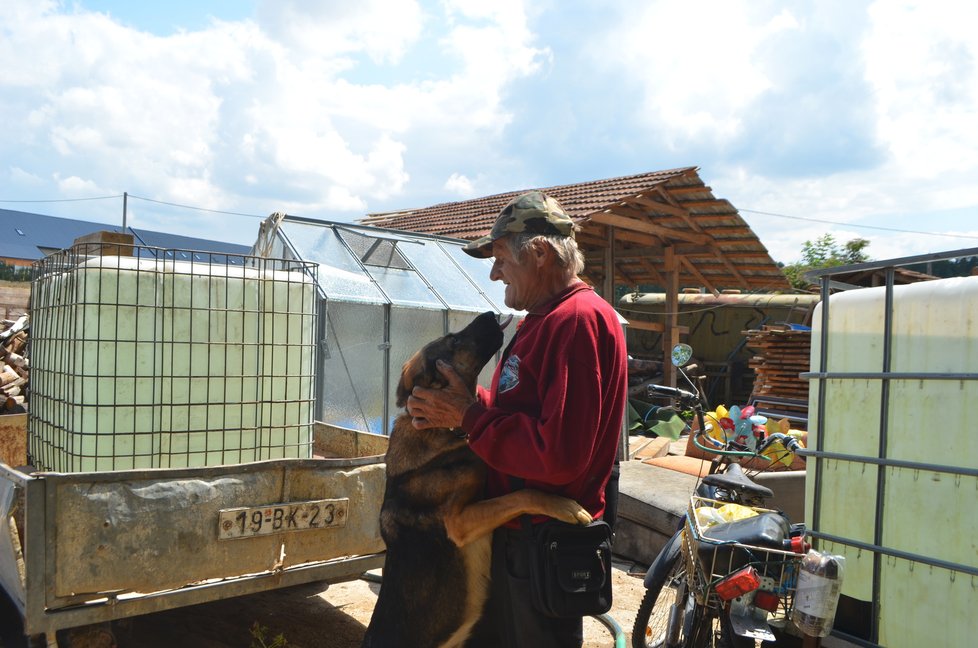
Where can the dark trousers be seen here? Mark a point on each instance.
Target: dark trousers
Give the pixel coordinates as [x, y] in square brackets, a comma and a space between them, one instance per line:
[510, 621]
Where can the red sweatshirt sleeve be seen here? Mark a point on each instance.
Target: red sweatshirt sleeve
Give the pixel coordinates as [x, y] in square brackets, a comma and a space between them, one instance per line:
[556, 407]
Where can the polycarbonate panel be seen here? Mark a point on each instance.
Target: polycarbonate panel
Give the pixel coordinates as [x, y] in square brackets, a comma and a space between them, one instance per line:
[340, 274]
[353, 367]
[411, 329]
[478, 270]
[405, 287]
[437, 264]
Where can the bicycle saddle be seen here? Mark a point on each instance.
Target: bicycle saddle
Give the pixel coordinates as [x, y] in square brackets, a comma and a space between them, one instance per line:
[734, 479]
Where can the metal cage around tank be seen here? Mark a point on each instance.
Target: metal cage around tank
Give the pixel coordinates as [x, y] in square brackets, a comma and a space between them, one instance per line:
[154, 358]
[892, 462]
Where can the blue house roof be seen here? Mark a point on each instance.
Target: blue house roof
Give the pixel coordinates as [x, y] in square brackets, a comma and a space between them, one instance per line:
[29, 237]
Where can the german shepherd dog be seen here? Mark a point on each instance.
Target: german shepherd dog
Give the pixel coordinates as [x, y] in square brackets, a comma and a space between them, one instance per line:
[434, 520]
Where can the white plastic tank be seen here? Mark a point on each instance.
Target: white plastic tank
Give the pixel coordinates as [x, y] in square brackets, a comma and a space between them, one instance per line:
[925, 512]
[146, 363]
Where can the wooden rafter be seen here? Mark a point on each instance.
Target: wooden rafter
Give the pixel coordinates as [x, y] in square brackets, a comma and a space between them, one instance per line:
[630, 222]
[652, 270]
[688, 189]
[686, 263]
[686, 216]
[657, 205]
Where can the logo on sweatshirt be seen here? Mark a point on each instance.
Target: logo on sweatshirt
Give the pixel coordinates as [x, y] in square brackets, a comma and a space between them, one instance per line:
[509, 377]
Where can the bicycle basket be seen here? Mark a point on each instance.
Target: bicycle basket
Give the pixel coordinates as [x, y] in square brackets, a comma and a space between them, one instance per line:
[714, 551]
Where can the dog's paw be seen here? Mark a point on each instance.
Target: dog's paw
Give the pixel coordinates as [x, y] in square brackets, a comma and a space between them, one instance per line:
[571, 512]
[583, 517]
[561, 508]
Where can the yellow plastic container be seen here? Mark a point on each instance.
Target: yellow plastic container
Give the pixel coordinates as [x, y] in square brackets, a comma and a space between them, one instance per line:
[925, 512]
[142, 363]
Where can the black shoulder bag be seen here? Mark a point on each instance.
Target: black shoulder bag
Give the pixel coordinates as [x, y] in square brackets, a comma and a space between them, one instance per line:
[570, 567]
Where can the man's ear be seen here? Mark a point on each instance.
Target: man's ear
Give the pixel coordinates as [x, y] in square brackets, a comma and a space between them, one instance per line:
[540, 250]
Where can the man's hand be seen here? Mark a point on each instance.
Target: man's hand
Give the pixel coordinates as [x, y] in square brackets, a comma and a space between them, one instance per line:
[440, 407]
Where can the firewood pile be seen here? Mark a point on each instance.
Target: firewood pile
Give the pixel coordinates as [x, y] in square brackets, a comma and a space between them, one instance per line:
[780, 355]
[14, 366]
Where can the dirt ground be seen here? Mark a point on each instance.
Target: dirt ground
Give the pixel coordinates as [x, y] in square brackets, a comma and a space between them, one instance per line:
[312, 616]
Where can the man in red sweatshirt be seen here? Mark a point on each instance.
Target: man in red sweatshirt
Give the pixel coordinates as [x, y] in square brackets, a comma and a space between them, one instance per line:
[553, 415]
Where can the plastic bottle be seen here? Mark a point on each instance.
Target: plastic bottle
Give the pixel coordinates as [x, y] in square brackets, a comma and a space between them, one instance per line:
[817, 596]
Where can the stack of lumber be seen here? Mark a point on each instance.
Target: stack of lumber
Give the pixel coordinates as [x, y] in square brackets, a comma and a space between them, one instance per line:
[780, 355]
[14, 367]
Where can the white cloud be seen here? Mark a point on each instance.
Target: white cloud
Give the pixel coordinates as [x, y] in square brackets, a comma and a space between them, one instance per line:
[835, 111]
[268, 109]
[696, 63]
[381, 29]
[922, 63]
[75, 186]
[459, 185]
[19, 177]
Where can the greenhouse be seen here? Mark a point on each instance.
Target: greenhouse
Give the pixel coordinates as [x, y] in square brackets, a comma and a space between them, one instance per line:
[382, 295]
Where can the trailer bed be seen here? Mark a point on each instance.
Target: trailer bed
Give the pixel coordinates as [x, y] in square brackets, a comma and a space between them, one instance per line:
[87, 547]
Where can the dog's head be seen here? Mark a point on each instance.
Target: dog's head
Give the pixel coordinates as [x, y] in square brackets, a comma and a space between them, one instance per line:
[467, 351]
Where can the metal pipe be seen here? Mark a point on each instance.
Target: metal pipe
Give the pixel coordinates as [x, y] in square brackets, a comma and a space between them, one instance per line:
[893, 375]
[609, 622]
[882, 452]
[895, 463]
[897, 553]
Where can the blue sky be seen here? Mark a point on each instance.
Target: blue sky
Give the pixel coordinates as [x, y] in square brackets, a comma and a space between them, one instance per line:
[858, 119]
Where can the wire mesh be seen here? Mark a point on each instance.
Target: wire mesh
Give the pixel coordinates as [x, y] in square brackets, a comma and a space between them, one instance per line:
[710, 561]
[153, 358]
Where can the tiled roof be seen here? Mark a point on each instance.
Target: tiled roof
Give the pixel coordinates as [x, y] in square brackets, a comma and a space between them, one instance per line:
[714, 246]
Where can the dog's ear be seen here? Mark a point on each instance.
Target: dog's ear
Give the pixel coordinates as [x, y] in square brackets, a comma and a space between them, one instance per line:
[409, 374]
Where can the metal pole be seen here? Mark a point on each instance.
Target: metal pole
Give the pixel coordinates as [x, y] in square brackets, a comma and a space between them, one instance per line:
[125, 208]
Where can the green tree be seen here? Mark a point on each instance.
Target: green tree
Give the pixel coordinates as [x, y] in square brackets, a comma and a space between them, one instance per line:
[824, 252]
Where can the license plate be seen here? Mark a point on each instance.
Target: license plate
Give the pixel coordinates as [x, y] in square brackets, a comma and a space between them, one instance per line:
[248, 522]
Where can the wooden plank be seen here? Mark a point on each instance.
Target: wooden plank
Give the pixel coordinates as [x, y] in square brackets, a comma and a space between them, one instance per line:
[630, 223]
[656, 327]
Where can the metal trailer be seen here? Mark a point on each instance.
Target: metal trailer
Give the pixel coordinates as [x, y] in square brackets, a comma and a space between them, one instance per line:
[893, 466]
[99, 537]
[174, 458]
[91, 547]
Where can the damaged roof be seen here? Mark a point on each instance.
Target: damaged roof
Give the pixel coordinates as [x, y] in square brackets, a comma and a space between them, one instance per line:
[645, 224]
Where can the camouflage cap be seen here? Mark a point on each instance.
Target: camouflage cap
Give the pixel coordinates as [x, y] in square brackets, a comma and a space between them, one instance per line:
[533, 212]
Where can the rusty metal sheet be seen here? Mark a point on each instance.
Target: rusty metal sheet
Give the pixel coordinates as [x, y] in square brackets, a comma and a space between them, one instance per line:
[156, 530]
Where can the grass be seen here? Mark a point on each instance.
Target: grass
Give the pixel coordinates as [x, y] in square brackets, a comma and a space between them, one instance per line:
[259, 639]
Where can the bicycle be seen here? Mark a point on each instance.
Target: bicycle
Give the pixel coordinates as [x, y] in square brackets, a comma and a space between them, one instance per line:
[718, 582]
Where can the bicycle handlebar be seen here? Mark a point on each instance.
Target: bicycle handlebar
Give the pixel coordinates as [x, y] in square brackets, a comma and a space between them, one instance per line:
[674, 392]
[692, 401]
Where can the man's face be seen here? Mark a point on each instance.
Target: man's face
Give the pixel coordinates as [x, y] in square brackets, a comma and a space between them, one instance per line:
[520, 276]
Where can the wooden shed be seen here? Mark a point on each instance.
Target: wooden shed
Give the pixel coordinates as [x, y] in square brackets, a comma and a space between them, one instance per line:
[663, 229]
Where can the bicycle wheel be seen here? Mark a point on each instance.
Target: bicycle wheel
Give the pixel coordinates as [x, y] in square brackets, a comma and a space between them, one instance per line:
[668, 616]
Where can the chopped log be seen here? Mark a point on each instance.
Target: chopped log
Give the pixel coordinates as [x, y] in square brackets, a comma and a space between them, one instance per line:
[15, 359]
[8, 375]
[14, 366]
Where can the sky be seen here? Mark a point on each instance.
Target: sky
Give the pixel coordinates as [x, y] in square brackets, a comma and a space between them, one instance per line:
[843, 117]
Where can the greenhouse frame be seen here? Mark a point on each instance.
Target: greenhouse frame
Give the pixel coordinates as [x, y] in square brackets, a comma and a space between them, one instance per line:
[383, 294]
